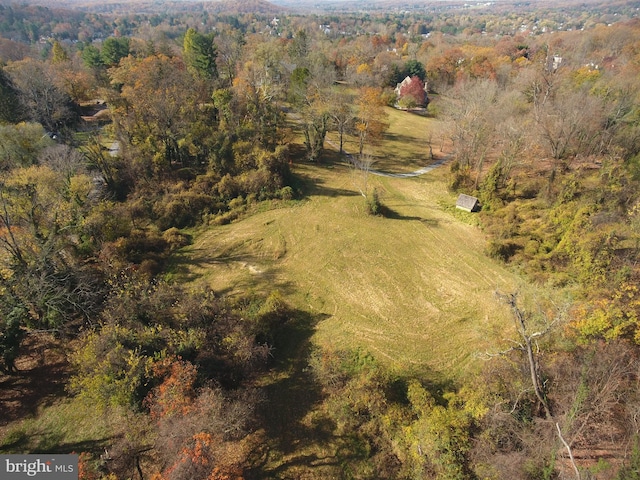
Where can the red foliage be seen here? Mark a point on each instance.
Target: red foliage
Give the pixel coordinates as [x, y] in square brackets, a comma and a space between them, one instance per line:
[414, 89]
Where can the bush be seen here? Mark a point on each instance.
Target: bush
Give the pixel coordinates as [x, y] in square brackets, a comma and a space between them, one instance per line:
[182, 210]
[286, 193]
[503, 249]
[175, 238]
[374, 206]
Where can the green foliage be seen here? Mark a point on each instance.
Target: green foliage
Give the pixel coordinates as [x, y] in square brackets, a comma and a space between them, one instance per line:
[631, 469]
[11, 334]
[298, 85]
[21, 144]
[183, 209]
[617, 316]
[411, 68]
[114, 49]
[373, 203]
[113, 367]
[92, 57]
[358, 406]
[438, 441]
[58, 53]
[200, 54]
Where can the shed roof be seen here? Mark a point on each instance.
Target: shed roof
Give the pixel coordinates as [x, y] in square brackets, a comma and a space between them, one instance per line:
[468, 203]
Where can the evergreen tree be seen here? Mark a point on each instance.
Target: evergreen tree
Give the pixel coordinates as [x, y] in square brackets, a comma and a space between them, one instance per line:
[59, 54]
[200, 54]
[114, 49]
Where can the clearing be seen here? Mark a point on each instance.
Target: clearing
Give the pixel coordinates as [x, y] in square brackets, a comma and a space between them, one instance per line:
[414, 288]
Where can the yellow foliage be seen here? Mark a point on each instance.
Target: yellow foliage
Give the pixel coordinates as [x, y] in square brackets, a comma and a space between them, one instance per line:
[363, 69]
[612, 318]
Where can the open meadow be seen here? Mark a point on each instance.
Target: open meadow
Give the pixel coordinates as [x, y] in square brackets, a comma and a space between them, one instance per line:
[413, 287]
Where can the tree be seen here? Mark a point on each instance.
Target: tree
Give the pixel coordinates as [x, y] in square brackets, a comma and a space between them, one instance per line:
[156, 109]
[43, 100]
[12, 321]
[299, 48]
[527, 346]
[91, 57]
[414, 68]
[229, 51]
[471, 109]
[412, 93]
[43, 284]
[563, 127]
[370, 117]
[10, 108]
[39, 211]
[114, 49]
[58, 53]
[21, 144]
[342, 113]
[200, 54]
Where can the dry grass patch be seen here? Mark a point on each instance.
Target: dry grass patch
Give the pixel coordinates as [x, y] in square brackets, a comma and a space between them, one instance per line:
[415, 289]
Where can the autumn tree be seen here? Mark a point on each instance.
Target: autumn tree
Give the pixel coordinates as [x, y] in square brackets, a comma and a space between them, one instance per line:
[58, 53]
[342, 114]
[412, 93]
[470, 108]
[156, 109]
[43, 100]
[370, 122]
[44, 284]
[563, 127]
[257, 89]
[10, 108]
[21, 144]
[229, 45]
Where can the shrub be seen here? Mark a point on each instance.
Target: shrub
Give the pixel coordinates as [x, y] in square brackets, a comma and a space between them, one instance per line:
[175, 238]
[374, 206]
[286, 193]
[503, 249]
[182, 210]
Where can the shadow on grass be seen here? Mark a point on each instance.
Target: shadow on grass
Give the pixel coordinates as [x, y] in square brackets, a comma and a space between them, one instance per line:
[309, 184]
[392, 214]
[40, 380]
[20, 442]
[292, 394]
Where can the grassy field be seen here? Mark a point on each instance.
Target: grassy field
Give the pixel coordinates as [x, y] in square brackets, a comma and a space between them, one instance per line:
[414, 288]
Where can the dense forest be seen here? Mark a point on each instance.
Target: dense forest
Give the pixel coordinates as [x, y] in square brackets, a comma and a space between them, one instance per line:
[125, 136]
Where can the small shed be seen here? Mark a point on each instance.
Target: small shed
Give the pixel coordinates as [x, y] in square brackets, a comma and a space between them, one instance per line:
[468, 203]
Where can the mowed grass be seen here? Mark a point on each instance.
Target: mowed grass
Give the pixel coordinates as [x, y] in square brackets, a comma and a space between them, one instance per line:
[414, 288]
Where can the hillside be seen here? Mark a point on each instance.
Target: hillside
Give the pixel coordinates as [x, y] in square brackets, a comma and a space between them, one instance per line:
[415, 288]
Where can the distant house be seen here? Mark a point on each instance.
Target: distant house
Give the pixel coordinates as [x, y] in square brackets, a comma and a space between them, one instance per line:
[412, 90]
[468, 203]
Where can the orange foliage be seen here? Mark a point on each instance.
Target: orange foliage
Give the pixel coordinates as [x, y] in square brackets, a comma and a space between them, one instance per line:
[231, 473]
[199, 452]
[175, 395]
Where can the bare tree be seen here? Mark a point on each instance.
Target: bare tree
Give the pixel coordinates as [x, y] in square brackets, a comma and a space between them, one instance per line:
[471, 109]
[360, 170]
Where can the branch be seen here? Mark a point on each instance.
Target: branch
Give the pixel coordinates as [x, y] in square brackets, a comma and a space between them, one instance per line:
[564, 442]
